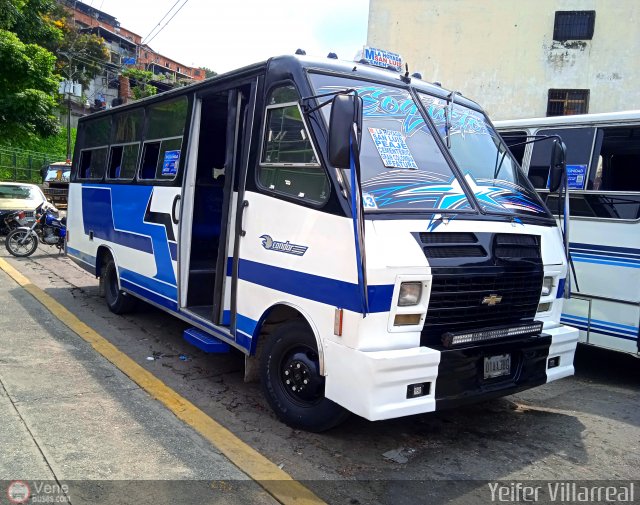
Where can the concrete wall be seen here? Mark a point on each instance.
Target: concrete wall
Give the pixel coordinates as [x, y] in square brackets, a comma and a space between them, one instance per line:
[501, 53]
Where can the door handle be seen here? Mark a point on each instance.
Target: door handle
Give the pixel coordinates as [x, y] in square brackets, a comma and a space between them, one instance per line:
[173, 209]
[245, 204]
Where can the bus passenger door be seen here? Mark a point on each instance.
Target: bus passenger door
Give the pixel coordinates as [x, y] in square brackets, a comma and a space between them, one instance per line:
[207, 227]
[240, 205]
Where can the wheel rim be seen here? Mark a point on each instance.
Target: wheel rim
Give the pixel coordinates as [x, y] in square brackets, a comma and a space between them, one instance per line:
[299, 374]
[18, 247]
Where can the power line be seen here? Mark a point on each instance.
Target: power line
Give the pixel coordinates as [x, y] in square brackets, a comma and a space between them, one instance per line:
[165, 25]
[160, 22]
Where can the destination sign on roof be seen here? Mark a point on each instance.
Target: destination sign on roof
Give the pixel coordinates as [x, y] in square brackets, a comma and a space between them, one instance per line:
[382, 58]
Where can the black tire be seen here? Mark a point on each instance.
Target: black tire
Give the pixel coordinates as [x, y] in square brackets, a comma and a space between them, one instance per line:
[118, 301]
[12, 243]
[291, 351]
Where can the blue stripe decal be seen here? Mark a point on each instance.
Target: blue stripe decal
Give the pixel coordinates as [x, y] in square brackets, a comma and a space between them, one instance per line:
[561, 284]
[605, 255]
[610, 256]
[333, 292]
[593, 330]
[116, 214]
[246, 325]
[606, 249]
[603, 327]
[149, 295]
[101, 219]
[580, 259]
[86, 258]
[244, 341]
[150, 284]
[173, 250]
[595, 326]
[628, 326]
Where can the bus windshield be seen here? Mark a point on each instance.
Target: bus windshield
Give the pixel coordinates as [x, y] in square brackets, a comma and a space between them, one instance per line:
[402, 166]
[57, 174]
[487, 164]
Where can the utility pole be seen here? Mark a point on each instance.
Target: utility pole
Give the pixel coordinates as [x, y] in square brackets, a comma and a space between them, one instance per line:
[68, 88]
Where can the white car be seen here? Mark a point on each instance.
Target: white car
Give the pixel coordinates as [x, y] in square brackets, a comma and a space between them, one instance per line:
[20, 196]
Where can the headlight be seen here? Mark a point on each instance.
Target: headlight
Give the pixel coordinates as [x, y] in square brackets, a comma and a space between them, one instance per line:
[547, 286]
[410, 293]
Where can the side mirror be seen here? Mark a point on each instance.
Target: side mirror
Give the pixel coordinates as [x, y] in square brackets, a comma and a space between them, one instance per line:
[345, 111]
[558, 165]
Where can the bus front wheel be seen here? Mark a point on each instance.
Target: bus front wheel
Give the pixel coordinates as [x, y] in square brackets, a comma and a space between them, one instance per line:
[118, 301]
[290, 374]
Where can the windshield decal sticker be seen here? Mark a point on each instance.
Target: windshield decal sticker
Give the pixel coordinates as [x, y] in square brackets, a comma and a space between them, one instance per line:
[392, 148]
[463, 121]
[385, 103]
[400, 186]
[502, 195]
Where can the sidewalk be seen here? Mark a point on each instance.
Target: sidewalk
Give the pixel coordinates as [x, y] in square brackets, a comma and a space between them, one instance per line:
[67, 414]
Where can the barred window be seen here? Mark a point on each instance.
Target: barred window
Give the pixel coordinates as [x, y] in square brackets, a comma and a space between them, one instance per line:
[564, 102]
[574, 25]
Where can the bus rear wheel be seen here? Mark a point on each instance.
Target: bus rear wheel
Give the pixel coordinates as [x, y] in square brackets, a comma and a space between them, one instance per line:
[118, 301]
[291, 380]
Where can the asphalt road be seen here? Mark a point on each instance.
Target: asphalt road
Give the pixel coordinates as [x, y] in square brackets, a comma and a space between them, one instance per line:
[583, 427]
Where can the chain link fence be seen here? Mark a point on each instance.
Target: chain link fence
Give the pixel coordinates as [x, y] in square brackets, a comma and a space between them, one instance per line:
[20, 165]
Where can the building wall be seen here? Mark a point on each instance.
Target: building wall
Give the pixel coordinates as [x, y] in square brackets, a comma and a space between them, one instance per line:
[501, 53]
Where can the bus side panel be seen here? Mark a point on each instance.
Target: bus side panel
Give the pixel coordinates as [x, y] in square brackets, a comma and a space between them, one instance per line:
[606, 256]
[79, 248]
[135, 223]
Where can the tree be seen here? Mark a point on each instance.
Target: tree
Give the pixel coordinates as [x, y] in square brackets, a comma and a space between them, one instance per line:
[28, 82]
[33, 21]
[27, 87]
[80, 55]
[139, 80]
[208, 72]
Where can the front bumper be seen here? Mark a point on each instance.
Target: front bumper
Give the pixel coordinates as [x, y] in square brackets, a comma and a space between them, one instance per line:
[374, 384]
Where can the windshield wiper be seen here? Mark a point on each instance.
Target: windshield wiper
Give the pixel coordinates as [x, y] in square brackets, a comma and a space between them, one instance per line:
[448, 114]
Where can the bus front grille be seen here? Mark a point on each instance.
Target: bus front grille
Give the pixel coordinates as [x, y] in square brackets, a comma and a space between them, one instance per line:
[487, 297]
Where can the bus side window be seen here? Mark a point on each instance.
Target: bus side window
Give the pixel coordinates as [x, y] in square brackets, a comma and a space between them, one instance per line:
[579, 142]
[115, 162]
[150, 155]
[92, 164]
[618, 152]
[289, 163]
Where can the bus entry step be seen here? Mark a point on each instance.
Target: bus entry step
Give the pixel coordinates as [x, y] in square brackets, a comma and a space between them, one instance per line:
[205, 342]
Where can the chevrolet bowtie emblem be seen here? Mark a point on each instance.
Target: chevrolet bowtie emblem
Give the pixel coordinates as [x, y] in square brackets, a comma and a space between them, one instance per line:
[491, 300]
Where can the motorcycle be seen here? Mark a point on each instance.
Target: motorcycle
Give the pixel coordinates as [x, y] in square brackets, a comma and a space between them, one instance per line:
[12, 220]
[47, 228]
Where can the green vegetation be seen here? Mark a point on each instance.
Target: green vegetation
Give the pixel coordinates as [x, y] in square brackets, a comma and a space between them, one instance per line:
[27, 88]
[22, 162]
[208, 72]
[139, 79]
[38, 45]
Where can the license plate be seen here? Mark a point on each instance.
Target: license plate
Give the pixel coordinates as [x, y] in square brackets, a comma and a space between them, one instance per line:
[496, 366]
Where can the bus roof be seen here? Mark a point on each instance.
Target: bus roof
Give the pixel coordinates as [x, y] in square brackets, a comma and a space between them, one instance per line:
[347, 68]
[578, 119]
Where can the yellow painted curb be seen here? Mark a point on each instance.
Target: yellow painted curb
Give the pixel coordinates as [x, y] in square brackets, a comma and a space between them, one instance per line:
[275, 481]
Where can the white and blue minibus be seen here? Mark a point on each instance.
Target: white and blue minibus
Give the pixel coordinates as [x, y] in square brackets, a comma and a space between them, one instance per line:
[603, 168]
[364, 237]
